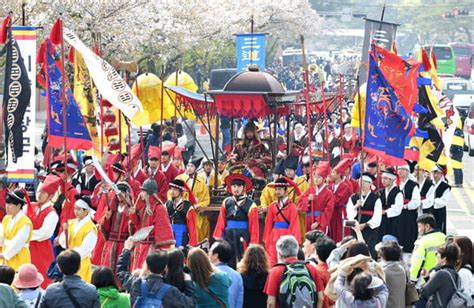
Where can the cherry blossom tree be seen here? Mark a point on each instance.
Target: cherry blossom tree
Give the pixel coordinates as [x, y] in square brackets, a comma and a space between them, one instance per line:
[130, 29]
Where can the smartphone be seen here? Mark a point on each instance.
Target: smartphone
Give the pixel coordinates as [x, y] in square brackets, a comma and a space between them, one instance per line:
[349, 223]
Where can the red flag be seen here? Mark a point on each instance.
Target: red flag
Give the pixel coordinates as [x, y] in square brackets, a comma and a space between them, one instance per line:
[3, 29]
[56, 34]
[425, 60]
[401, 75]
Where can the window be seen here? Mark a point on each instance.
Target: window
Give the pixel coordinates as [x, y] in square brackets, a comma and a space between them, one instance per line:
[443, 53]
[462, 51]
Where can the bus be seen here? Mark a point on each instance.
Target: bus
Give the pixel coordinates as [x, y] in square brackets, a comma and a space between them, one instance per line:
[293, 56]
[444, 57]
[463, 53]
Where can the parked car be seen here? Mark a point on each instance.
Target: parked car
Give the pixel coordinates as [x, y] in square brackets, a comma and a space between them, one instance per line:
[462, 102]
[469, 130]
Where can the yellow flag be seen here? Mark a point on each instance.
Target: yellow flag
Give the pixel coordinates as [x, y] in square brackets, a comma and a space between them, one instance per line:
[359, 110]
[438, 122]
[85, 94]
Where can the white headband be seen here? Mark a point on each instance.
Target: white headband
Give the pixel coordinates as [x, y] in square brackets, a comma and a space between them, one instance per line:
[389, 175]
[82, 204]
[406, 167]
[367, 178]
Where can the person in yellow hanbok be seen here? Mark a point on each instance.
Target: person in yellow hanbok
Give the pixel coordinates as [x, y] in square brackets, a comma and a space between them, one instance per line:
[81, 236]
[201, 193]
[15, 232]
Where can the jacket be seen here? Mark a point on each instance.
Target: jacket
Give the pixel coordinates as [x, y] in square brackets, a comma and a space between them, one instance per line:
[440, 284]
[84, 293]
[110, 297]
[8, 297]
[424, 254]
[396, 281]
[132, 283]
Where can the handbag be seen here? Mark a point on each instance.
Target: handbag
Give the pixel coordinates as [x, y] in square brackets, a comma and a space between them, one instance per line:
[411, 293]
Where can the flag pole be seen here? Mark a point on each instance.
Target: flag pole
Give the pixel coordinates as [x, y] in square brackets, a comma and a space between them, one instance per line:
[325, 119]
[162, 104]
[308, 120]
[63, 97]
[308, 111]
[341, 122]
[4, 142]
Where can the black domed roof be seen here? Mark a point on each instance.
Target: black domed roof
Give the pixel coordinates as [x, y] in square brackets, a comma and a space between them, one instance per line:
[254, 81]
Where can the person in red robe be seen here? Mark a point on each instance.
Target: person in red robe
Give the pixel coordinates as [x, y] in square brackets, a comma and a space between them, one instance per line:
[182, 214]
[153, 171]
[178, 160]
[44, 220]
[167, 166]
[342, 192]
[150, 212]
[318, 201]
[237, 222]
[114, 224]
[282, 217]
[64, 204]
[3, 199]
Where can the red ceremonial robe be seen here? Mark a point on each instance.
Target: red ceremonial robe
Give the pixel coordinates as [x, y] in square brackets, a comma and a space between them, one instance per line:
[136, 187]
[160, 238]
[101, 205]
[67, 211]
[183, 217]
[115, 231]
[139, 176]
[170, 172]
[41, 252]
[238, 224]
[276, 226]
[320, 209]
[341, 195]
[162, 183]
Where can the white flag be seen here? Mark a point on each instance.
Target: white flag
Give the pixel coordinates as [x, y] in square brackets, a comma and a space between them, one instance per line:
[108, 81]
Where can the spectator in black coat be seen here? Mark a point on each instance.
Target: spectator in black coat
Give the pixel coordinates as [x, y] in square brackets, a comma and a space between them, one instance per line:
[156, 263]
[439, 289]
[254, 271]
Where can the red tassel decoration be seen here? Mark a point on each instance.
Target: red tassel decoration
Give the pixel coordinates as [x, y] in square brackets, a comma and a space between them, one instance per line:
[109, 117]
[56, 34]
[70, 55]
[114, 146]
[40, 56]
[3, 30]
[111, 131]
[106, 103]
[425, 60]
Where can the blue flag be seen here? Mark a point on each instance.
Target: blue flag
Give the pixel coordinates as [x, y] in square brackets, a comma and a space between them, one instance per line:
[77, 134]
[250, 49]
[387, 123]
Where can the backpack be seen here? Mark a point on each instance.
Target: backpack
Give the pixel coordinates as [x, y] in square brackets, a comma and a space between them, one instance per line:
[151, 300]
[297, 288]
[459, 298]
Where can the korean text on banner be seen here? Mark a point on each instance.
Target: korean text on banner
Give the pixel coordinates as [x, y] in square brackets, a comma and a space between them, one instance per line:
[250, 50]
[23, 170]
[107, 80]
